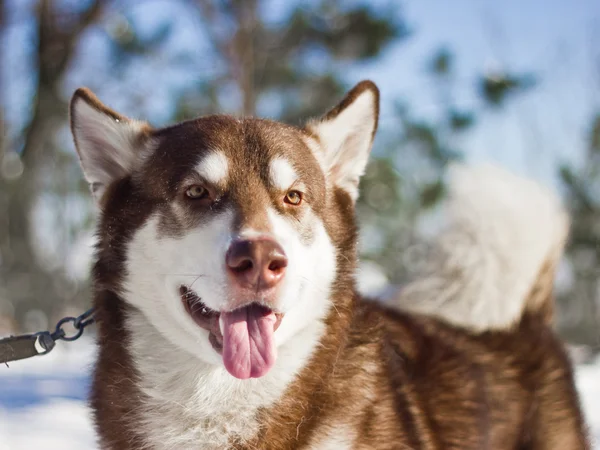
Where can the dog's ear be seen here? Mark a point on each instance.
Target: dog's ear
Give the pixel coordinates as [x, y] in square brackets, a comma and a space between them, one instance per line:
[345, 136]
[108, 144]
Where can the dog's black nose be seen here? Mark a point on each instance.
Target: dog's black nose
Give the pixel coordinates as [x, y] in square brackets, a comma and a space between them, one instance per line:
[256, 263]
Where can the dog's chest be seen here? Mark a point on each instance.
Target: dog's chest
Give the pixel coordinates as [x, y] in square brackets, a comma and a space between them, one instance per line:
[187, 403]
[217, 424]
[197, 424]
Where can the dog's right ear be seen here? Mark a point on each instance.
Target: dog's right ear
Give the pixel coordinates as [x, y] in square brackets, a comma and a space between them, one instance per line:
[107, 143]
[345, 136]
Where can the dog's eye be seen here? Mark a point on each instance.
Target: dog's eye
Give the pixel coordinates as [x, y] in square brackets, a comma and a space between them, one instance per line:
[196, 192]
[293, 198]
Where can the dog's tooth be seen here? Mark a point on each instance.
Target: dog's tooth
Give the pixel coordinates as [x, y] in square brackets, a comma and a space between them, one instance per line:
[221, 327]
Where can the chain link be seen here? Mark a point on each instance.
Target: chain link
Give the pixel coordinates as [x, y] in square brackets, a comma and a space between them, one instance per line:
[79, 323]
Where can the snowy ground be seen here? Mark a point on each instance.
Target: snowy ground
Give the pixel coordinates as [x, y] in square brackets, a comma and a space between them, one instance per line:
[42, 400]
[588, 383]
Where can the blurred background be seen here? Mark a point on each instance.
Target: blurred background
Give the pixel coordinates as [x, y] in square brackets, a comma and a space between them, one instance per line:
[514, 82]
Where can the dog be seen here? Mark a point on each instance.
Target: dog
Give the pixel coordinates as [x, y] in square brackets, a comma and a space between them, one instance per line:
[228, 315]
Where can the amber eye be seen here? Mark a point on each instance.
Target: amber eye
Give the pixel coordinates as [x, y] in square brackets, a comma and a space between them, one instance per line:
[293, 198]
[196, 192]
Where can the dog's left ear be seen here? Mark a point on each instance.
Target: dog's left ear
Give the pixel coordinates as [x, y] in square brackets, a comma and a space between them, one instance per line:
[108, 143]
[345, 136]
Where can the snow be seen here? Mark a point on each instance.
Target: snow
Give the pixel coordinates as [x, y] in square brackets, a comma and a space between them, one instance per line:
[588, 384]
[43, 400]
[53, 424]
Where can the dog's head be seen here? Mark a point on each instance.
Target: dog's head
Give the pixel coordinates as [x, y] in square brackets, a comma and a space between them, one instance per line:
[227, 234]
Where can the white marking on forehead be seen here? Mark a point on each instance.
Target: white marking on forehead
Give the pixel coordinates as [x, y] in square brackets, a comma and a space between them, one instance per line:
[214, 167]
[251, 233]
[282, 173]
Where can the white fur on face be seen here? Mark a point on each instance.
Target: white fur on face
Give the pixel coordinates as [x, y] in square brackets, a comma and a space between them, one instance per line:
[193, 400]
[282, 174]
[304, 294]
[214, 167]
[158, 265]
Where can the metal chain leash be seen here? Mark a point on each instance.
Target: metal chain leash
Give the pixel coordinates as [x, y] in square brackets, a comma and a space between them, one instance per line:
[24, 346]
[79, 323]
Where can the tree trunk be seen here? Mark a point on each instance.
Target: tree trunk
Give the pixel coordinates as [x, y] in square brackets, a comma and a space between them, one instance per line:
[245, 53]
[25, 283]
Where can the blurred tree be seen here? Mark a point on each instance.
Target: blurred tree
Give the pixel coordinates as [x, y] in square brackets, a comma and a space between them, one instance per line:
[25, 283]
[495, 88]
[580, 307]
[2, 130]
[291, 68]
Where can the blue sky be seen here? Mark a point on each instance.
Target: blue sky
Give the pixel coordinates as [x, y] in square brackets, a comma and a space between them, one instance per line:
[557, 40]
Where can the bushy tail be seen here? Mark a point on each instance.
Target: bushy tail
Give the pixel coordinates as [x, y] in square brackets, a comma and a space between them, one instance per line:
[495, 257]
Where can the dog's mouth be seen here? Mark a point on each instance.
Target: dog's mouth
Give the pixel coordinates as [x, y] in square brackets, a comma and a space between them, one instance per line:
[244, 336]
[203, 316]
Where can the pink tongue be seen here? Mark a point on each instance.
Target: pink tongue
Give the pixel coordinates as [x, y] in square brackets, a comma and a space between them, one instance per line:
[248, 341]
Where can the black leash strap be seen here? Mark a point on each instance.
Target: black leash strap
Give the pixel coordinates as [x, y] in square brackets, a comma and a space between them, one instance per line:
[14, 348]
[25, 346]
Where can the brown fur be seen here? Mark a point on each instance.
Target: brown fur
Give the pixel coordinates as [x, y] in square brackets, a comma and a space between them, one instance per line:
[412, 382]
[397, 380]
